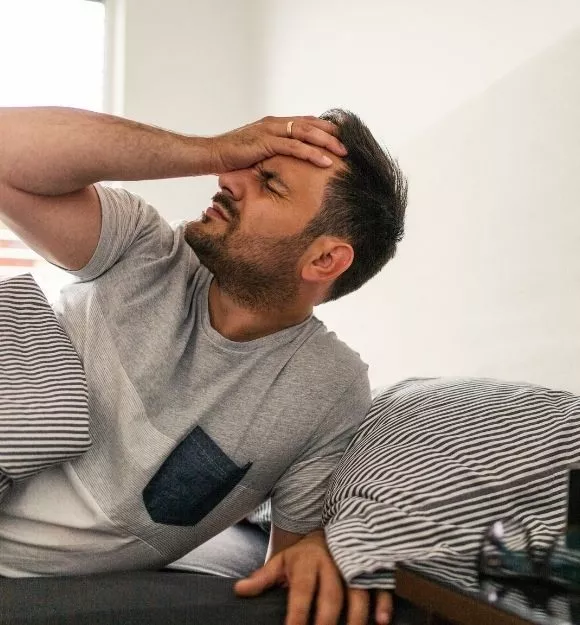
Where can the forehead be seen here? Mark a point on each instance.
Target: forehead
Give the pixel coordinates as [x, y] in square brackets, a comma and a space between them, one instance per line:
[304, 178]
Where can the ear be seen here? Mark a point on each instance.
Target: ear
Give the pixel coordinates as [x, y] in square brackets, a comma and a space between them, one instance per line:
[326, 260]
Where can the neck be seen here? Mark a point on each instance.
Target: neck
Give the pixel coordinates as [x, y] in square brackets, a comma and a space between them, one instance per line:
[238, 323]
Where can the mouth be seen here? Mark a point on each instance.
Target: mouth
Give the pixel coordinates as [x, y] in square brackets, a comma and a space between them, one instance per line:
[216, 211]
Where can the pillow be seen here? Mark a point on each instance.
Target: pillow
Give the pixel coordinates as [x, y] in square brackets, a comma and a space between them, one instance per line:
[44, 416]
[436, 461]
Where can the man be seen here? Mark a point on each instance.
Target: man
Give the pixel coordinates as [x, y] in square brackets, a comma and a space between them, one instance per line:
[211, 384]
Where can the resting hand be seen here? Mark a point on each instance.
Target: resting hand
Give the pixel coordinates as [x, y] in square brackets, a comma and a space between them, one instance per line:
[307, 568]
[267, 137]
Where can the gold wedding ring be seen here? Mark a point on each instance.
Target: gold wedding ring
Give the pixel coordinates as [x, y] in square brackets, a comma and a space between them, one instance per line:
[289, 129]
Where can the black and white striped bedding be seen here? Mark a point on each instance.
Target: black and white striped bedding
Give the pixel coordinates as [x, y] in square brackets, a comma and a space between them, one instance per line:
[436, 461]
[43, 393]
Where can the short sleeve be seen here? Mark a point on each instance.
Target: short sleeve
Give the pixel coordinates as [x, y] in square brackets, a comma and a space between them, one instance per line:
[128, 223]
[298, 495]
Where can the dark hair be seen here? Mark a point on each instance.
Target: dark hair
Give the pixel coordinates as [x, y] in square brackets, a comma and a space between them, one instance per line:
[364, 204]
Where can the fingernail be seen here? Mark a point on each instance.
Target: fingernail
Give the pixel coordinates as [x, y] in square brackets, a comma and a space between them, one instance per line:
[326, 160]
[382, 618]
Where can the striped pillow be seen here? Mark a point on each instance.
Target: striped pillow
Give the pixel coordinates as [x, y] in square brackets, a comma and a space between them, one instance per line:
[43, 393]
[436, 461]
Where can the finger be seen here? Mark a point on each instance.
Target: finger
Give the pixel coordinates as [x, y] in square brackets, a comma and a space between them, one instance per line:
[383, 607]
[310, 133]
[323, 124]
[300, 150]
[358, 606]
[330, 597]
[261, 579]
[302, 586]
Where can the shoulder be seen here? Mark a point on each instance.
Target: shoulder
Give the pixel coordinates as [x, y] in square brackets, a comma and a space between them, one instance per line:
[123, 210]
[140, 233]
[325, 355]
[333, 376]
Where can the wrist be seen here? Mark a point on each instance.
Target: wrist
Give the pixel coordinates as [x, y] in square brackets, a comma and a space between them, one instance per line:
[316, 535]
[203, 156]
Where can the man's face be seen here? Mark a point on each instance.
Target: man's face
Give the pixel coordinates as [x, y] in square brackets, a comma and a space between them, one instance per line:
[251, 238]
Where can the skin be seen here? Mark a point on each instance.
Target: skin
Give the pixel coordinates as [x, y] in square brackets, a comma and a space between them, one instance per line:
[309, 572]
[51, 157]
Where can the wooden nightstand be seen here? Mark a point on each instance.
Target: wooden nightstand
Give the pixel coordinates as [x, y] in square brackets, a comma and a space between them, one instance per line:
[443, 603]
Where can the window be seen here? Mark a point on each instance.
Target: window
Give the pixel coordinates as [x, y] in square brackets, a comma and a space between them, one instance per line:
[51, 53]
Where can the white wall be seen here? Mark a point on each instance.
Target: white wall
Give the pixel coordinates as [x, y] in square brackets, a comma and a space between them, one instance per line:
[487, 281]
[184, 65]
[402, 65]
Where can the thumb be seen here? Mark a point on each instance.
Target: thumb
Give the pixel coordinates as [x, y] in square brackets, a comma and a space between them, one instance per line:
[261, 579]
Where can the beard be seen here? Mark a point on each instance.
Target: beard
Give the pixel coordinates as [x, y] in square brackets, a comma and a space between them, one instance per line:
[259, 273]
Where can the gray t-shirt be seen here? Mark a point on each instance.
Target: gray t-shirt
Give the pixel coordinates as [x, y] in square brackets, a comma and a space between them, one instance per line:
[190, 430]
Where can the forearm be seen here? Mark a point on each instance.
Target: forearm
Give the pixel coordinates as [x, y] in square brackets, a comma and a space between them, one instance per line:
[52, 151]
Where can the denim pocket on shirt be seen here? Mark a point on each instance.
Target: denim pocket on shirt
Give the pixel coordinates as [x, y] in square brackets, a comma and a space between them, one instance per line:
[192, 481]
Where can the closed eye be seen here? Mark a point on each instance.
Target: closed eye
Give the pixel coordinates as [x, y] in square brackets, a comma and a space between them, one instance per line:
[266, 178]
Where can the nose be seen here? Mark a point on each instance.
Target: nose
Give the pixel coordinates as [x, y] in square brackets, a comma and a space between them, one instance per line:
[235, 183]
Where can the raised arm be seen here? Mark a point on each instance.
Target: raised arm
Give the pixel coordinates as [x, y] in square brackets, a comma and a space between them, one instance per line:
[50, 157]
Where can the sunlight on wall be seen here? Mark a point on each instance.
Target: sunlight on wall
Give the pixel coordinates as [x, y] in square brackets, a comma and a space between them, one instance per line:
[52, 54]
